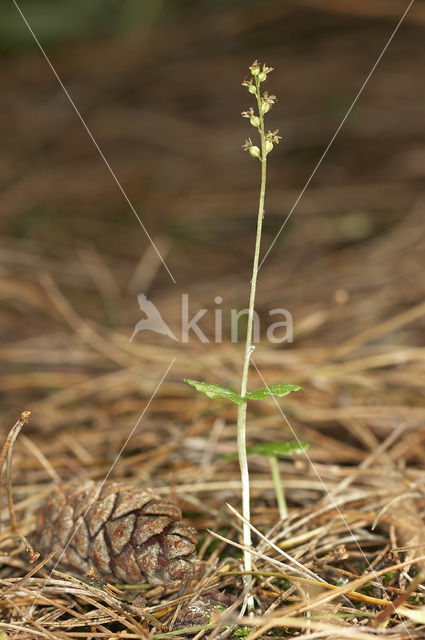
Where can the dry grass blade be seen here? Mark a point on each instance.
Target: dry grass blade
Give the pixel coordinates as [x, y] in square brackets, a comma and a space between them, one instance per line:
[6, 454]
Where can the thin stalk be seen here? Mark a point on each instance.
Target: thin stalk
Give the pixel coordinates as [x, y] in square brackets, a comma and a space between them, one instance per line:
[241, 422]
[6, 454]
[277, 483]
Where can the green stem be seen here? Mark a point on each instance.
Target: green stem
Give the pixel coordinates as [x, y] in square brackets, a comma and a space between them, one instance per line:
[241, 439]
[278, 489]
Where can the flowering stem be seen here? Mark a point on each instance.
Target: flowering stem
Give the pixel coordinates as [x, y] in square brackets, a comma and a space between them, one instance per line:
[241, 421]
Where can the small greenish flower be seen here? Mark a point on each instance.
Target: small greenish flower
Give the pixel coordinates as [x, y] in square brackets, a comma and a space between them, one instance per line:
[273, 137]
[250, 85]
[263, 74]
[255, 68]
[267, 100]
[251, 148]
[255, 121]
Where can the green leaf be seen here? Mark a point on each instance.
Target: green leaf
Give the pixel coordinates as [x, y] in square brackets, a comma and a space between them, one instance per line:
[278, 390]
[272, 449]
[278, 448]
[215, 390]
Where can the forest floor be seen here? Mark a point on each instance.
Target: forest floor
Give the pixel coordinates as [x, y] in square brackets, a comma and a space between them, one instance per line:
[348, 266]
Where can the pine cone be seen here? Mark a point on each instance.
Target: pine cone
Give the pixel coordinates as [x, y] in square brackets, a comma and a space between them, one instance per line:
[125, 534]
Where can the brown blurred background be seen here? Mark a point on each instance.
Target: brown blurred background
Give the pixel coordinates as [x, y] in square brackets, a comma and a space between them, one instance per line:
[158, 84]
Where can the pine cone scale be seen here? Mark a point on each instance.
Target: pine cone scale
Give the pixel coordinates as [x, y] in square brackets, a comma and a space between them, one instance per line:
[100, 554]
[64, 524]
[99, 513]
[82, 538]
[186, 532]
[119, 532]
[178, 546]
[126, 567]
[76, 562]
[148, 526]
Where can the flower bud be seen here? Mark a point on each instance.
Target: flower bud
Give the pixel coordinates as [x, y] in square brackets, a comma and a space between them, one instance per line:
[255, 121]
[269, 146]
[254, 151]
